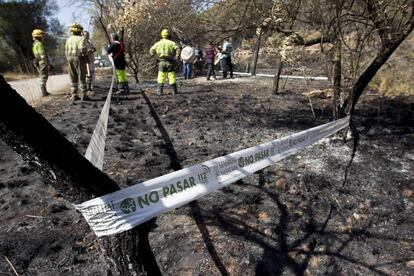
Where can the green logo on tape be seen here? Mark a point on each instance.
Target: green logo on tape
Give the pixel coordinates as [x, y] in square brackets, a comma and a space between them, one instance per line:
[128, 206]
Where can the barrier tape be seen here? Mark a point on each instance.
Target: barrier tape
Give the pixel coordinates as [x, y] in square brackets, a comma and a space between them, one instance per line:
[283, 76]
[124, 209]
[96, 148]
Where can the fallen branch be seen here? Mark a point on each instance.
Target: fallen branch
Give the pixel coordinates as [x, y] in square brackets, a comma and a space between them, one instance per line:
[32, 216]
[11, 265]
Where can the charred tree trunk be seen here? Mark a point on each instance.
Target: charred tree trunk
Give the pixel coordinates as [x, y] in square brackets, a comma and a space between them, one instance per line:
[276, 78]
[133, 63]
[390, 40]
[337, 80]
[247, 68]
[65, 169]
[337, 62]
[256, 53]
[368, 75]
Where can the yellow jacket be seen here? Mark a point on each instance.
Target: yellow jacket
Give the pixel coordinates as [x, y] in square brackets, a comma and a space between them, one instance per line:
[75, 46]
[39, 50]
[165, 49]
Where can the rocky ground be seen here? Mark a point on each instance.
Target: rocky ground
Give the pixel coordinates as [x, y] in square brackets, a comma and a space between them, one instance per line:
[313, 213]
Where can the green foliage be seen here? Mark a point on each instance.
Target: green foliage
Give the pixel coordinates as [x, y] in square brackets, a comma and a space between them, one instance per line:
[17, 21]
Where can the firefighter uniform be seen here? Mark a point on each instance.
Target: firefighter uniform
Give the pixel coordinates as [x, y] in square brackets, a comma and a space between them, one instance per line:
[41, 61]
[166, 52]
[76, 56]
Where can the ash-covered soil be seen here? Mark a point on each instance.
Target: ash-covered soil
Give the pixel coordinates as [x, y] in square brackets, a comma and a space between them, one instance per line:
[297, 217]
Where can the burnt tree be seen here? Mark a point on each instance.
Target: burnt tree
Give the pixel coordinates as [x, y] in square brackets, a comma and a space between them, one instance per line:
[392, 32]
[60, 164]
[276, 78]
[390, 21]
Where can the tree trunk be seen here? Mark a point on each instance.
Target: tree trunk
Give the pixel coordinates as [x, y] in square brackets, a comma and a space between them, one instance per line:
[133, 63]
[65, 169]
[389, 43]
[256, 53]
[276, 78]
[248, 67]
[369, 73]
[337, 61]
[337, 77]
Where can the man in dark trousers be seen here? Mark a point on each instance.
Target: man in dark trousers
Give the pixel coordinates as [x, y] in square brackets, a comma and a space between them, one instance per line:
[117, 50]
[210, 54]
[198, 63]
[227, 49]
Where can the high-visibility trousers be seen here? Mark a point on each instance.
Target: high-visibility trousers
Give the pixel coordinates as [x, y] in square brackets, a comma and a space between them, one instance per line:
[166, 69]
[121, 76]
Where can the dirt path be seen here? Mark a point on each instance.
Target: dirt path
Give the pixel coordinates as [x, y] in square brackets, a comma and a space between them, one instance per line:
[29, 88]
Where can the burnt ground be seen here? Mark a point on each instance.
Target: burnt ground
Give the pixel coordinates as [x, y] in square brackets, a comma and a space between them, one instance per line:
[297, 217]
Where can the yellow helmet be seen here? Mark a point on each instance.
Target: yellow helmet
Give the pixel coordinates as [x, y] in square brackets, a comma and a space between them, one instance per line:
[37, 33]
[165, 33]
[75, 27]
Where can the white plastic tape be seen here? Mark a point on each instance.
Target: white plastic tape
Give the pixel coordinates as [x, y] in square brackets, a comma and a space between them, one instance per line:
[282, 76]
[127, 208]
[96, 148]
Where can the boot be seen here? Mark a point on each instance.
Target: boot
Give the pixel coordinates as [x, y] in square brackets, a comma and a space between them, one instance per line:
[160, 89]
[44, 91]
[88, 84]
[174, 88]
[84, 97]
[126, 88]
[74, 97]
[120, 89]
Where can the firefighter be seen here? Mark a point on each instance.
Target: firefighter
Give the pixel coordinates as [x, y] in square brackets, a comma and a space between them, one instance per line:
[76, 55]
[167, 54]
[117, 50]
[41, 61]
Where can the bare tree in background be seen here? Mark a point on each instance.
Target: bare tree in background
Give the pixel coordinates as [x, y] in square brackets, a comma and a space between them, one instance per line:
[371, 31]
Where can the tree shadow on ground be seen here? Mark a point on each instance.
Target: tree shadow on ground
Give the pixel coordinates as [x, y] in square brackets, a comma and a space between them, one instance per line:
[281, 252]
[195, 208]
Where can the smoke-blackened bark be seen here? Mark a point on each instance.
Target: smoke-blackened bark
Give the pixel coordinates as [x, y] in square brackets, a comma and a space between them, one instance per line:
[44, 148]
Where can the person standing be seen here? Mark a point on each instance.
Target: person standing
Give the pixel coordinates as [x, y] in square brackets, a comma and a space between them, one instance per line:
[167, 54]
[223, 62]
[187, 56]
[41, 60]
[210, 54]
[227, 49]
[90, 76]
[198, 63]
[75, 51]
[117, 50]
